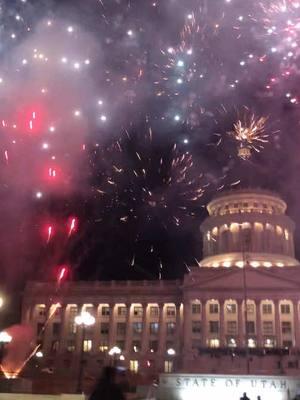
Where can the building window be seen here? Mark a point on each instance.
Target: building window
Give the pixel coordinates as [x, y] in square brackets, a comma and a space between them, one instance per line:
[56, 328]
[196, 327]
[138, 311]
[70, 346]
[154, 311]
[42, 311]
[105, 311]
[267, 308]
[103, 346]
[251, 343]
[87, 345]
[231, 342]
[231, 308]
[214, 308]
[120, 344]
[196, 344]
[72, 314]
[196, 308]
[269, 342]
[121, 328]
[250, 327]
[122, 311]
[54, 346]
[134, 366]
[171, 328]
[231, 327]
[285, 309]
[267, 327]
[153, 346]
[104, 328]
[214, 343]
[250, 308]
[154, 328]
[286, 327]
[171, 312]
[168, 366]
[214, 326]
[287, 344]
[136, 346]
[137, 328]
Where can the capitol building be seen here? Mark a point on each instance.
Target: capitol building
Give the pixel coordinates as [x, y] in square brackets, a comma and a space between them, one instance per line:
[238, 312]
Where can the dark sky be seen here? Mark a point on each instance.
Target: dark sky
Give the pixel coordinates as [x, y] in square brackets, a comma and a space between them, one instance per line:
[157, 87]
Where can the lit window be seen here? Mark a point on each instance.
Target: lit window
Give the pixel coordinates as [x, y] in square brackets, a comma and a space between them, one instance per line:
[153, 346]
[154, 327]
[42, 310]
[214, 308]
[286, 234]
[196, 308]
[267, 308]
[122, 310]
[136, 346]
[171, 312]
[54, 346]
[278, 230]
[70, 346]
[138, 311]
[137, 328]
[214, 343]
[269, 342]
[285, 309]
[154, 311]
[168, 366]
[231, 308]
[134, 366]
[87, 345]
[287, 344]
[251, 343]
[231, 342]
[103, 346]
[171, 326]
[250, 308]
[105, 311]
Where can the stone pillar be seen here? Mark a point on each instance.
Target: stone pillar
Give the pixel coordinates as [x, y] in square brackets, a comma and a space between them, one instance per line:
[145, 333]
[128, 338]
[204, 323]
[277, 324]
[187, 332]
[162, 336]
[64, 328]
[178, 340]
[259, 335]
[97, 328]
[112, 326]
[296, 324]
[241, 327]
[222, 324]
[78, 340]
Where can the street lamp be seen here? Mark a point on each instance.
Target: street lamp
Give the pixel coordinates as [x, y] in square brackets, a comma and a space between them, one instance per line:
[172, 353]
[85, 319]
[114, 352]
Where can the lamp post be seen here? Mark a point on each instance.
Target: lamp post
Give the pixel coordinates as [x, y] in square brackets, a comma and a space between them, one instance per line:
[114, 352]
[85, 319]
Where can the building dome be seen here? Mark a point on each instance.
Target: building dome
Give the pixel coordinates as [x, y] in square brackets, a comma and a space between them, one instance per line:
[248, 227]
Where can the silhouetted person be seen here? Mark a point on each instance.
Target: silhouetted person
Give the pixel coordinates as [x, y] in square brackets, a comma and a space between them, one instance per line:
[244, 397]
[258, 398]
[107, 388]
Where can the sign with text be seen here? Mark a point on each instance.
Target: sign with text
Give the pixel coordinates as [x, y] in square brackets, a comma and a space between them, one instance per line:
[227, 387]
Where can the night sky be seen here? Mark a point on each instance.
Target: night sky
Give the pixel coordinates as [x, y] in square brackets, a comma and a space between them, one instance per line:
[121, 119]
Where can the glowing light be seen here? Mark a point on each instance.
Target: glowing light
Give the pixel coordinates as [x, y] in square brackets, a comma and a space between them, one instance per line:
[64, 60]
[52, 128]
[100, 102]
[45, 146]
[24, 61]
[39, 354]
[177, 117]
[85, 318]
[77, 113]
[103, 118]
[70, 29]
[180, 63]
[185, 141]
[179, 80]
[76, 65]
[170, 50]
[87, 62]
[129, 32]
[72, 226]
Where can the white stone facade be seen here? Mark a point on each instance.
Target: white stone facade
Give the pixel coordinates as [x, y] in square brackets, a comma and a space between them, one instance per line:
[202, 317]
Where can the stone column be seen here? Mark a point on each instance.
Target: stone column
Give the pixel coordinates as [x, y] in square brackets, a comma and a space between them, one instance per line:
[178, 340]
[64, 328]
[277, 324]
[187, 331]
[241, 327]
[222, 324]
[204, 323]
[78, 339]
[296, 324]
[128, 338]
[259, 335]
[145, 333]
[112, 327]
[162, 336]
[97, 328]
